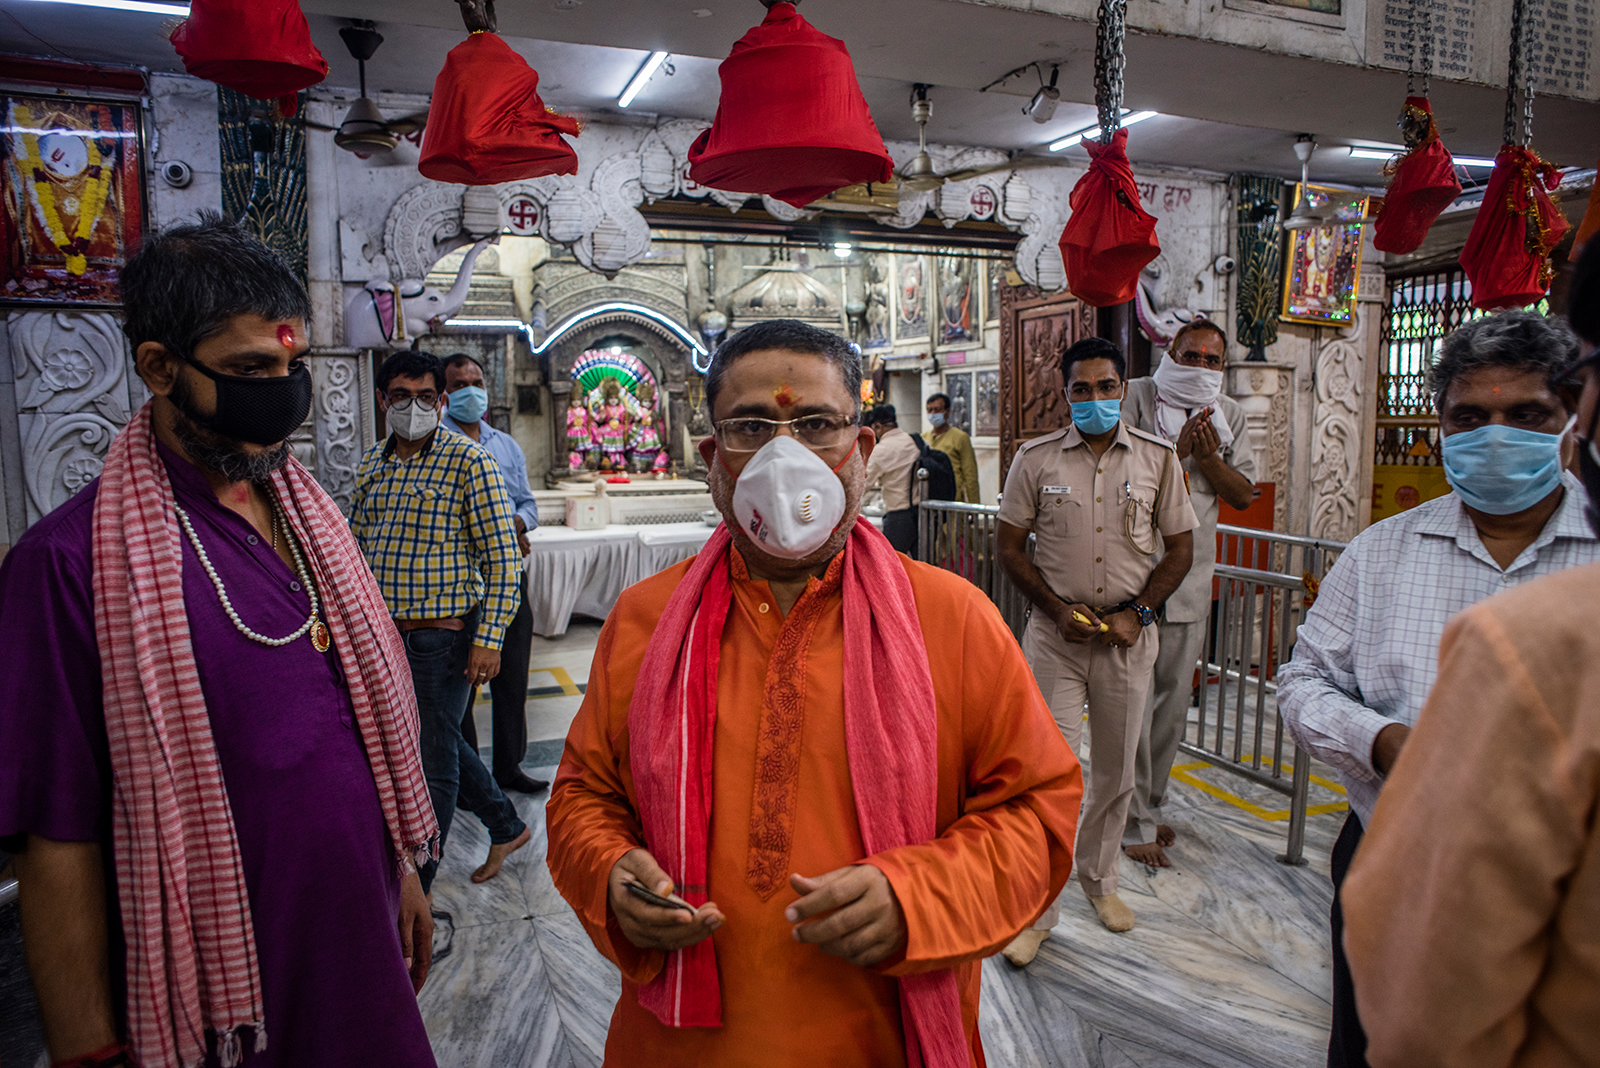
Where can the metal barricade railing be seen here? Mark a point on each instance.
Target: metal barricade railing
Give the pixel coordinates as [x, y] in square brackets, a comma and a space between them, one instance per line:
[962, 538]
[1262, 578]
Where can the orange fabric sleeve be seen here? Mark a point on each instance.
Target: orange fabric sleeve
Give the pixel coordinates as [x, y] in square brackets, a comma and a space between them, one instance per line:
[590, 818]
[1005, 848]
[1453, 906]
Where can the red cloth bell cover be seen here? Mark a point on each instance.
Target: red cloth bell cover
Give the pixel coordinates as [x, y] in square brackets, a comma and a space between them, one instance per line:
[1109, 237]
[1424, 184]
[261, 48]
[487, 125]
[1507, 255]
[792, 122]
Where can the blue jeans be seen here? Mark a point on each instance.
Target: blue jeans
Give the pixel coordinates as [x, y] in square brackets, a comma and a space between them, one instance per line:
[456, 775]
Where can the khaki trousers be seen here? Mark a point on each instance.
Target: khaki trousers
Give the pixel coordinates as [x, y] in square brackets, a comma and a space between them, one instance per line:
[1170, 697]
[1114, 684]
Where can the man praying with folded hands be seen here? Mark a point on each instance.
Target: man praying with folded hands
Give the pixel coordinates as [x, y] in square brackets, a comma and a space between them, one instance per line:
[842, 827]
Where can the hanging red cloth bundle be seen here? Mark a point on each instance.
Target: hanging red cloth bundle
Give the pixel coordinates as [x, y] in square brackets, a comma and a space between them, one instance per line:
[1108, 238]
[487, 124]
[1424, 184]
[1507, 255]
[792, 122]
[261, 48]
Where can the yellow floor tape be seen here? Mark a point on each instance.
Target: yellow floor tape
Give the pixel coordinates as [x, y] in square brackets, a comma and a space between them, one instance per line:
[1182, 774]
[563, 680]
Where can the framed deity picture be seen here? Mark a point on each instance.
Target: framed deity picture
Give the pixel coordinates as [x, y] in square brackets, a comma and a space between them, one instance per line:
[986, 404]
[1323, 265]
[959, 389]
[960, 294]
[994, 272]
[71, 176]
[912, 298]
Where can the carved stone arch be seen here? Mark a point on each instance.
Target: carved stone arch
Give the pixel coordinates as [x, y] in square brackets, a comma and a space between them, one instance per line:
[423, 226]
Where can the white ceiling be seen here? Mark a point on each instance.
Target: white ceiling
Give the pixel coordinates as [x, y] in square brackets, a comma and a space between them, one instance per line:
[1223, 108]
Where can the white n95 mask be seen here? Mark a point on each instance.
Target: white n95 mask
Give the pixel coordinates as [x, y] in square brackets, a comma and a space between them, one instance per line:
[410, 420]
[787, 500]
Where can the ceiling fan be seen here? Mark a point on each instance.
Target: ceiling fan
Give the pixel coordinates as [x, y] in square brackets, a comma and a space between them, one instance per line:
[364, 130]
[921, 176]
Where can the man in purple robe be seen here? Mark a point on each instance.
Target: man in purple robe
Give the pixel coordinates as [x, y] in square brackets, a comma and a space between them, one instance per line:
[318, 764]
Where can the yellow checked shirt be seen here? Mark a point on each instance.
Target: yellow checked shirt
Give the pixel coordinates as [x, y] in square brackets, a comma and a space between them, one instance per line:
[437, 531]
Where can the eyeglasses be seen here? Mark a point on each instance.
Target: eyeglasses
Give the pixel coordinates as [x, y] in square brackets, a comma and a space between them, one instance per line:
[1196, 358]
[819, 432]
[427, 398]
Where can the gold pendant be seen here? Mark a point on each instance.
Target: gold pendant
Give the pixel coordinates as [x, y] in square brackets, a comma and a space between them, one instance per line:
[319, 637]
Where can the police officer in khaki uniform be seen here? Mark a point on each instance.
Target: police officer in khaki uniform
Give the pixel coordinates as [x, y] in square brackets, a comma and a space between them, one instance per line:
[1183, 403]
[1114, 526]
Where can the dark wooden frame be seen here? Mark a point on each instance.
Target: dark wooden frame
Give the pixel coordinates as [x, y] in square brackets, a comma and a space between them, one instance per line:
[1031, 401]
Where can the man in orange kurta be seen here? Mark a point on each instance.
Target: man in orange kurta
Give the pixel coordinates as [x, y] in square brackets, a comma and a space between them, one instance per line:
[811, 934]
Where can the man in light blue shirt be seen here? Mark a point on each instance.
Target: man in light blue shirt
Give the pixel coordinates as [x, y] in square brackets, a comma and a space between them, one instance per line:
[468, 401]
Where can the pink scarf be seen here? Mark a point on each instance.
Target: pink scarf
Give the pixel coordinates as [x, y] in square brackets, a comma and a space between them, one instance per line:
[192, 964]
[890, 736]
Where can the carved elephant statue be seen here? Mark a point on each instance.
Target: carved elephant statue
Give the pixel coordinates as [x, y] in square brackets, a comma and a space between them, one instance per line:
[370, 321]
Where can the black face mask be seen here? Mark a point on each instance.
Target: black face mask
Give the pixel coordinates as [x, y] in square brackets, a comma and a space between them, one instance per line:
[262, 411]
[1589, 471]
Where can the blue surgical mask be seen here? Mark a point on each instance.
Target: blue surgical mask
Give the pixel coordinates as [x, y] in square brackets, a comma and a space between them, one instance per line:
[1502, 469]
[936, 419]
[1096, 417]
[468, 404]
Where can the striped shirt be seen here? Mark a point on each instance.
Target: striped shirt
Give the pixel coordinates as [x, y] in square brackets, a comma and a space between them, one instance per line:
[437, 531]
[1368, 652]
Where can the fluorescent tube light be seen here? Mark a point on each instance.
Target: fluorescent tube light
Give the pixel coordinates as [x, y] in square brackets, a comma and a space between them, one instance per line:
[143, 6]
[1093, 132]
[1388, 154]
[646, 69]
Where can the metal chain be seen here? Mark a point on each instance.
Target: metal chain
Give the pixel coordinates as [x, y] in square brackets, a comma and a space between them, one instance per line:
[1411, 52]
[1517, 79]
[1110, 30]
[1427, 46]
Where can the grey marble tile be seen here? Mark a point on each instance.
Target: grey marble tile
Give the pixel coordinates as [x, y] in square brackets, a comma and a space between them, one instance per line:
[586, 985]
[501, 898]
[489, 1003]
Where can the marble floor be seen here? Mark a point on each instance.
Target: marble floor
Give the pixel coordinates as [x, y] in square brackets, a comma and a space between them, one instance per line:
[1228, 966]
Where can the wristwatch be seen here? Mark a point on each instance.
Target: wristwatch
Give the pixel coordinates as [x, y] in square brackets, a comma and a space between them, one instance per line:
[1146, 616]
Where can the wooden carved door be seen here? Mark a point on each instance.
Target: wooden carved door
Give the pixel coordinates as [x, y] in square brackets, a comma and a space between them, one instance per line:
[1034, 330]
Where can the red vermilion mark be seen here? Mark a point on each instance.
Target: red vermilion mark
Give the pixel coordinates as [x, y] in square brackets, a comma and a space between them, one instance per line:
[1496, 389]
[286, 336]
[785, 397]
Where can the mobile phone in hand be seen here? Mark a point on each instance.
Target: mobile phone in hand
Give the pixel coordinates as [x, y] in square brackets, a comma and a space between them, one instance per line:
[638, 891]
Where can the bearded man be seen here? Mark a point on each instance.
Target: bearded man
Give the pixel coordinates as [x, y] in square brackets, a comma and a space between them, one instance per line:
[841, 827]
[209, 763]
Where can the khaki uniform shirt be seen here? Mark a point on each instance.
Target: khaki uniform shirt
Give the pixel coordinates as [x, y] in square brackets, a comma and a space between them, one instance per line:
[890, 465]
[1080, 510]
[1192, 602]
[955, 444]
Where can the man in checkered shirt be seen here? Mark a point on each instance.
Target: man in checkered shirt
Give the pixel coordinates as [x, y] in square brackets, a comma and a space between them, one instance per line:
[1367, 653]
[433, 519]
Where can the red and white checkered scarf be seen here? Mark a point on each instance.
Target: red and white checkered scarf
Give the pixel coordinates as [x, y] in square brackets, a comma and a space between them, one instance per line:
[192, 963]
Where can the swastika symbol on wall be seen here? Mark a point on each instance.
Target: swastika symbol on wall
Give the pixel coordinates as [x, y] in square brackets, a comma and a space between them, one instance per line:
[523, 214]
[982, 202]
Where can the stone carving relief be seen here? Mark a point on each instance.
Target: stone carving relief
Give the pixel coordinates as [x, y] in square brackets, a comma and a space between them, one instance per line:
[71, 383]
[600, 221]
[1279, 436]
[338, 445]
[1336, 433]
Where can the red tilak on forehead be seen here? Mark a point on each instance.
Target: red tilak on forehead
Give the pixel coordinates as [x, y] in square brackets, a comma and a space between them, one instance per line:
[785, 397]
[286, 335]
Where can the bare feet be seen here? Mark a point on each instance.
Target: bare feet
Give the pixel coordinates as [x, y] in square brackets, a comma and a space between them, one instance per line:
[1150, 853]
[498, 854]
[1165, 835]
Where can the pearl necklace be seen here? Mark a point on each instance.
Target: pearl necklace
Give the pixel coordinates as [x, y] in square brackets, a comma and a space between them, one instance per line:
[319, 632]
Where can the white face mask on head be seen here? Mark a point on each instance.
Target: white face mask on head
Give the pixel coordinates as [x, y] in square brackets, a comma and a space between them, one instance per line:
[411, 420]
[787, 500]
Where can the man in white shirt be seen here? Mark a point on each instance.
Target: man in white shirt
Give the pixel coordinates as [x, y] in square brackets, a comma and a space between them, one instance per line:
[1184, 404]
[890, 467]
[1367, 654]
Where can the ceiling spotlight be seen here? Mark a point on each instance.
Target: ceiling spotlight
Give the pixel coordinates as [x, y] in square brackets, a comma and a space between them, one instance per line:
[1093, 132]
[842, 249]
[1042, 108]
[642, 78]
[1305, 216]
[1386, 154]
